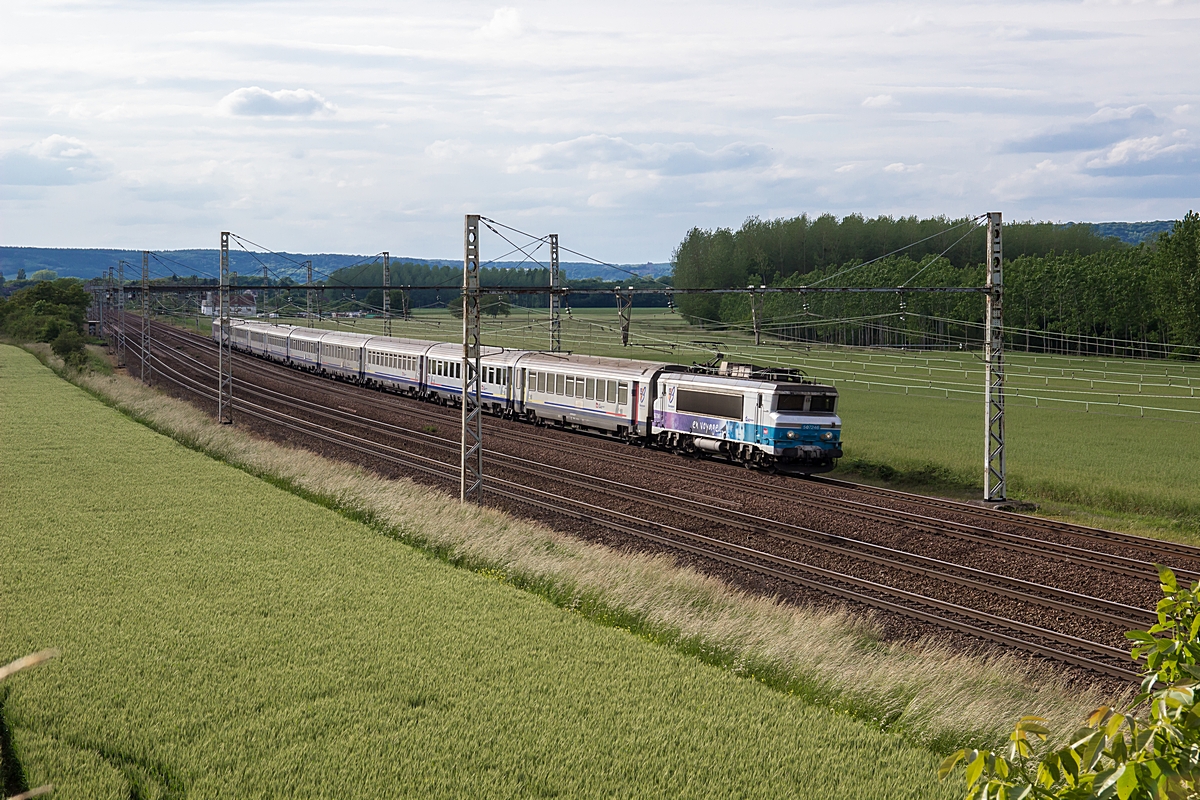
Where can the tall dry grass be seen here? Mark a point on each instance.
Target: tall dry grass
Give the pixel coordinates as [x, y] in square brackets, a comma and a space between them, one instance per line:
[925, 690]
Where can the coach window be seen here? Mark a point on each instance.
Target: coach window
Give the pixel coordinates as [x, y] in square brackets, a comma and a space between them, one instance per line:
[612, 391]
[560, 384]
[622, 393]
[590, 390]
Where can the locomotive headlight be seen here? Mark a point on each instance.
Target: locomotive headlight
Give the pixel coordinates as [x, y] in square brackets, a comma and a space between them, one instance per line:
[791, 434]
[827, 436]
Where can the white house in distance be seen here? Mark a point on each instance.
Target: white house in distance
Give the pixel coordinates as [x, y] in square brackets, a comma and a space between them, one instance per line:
[241, 304]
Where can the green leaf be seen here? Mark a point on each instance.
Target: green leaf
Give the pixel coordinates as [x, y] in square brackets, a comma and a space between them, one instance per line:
[1167, 578]
[950, 762]
[1139, 636]
[974, 768]
[1106, 779]
[1127, 782]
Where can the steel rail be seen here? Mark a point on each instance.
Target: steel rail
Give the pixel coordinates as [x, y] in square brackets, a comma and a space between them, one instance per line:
[1084, 531]
[1014, 541]
[372, 448]
[1013, 588]
[744, 557]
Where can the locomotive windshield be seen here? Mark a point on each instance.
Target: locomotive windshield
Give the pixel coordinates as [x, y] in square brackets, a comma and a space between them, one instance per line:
[806, 403]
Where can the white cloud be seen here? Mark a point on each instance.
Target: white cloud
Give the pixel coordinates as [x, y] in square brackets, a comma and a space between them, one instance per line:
[899, 167]
[626, 117]
[446, 149]
[504, 24]
[253, 101]
[56, 160]
[879, 101]
[680, 158]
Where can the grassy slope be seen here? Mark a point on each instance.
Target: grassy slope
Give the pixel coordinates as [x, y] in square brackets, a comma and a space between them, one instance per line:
[223, 637]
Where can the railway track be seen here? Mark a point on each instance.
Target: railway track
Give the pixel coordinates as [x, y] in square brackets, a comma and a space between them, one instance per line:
[784, 552]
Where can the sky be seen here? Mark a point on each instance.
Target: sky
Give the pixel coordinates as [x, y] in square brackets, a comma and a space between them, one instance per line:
[359, 127]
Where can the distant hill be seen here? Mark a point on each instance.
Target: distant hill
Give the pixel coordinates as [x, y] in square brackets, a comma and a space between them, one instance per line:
[1132, 232]
[91, 262]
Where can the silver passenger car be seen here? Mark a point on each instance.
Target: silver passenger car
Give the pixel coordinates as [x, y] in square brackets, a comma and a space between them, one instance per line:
[605, 394]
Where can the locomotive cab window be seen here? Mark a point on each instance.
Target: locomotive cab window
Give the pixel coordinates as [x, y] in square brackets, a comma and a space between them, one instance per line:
[822, 404]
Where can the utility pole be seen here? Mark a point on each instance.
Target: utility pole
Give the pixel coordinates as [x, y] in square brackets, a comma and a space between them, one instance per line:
[108, 301]
[624, 311]
[147, 370]
[225, 354]
[995, 487]
[555, 300]
[311, 294]
[405, 305]
[120, 314]
[757, 300]
[266, 282]
[387, 290]
[471, 482]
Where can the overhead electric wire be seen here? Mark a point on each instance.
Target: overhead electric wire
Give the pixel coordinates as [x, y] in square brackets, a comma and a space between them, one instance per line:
[572, 252]
[934, 260]
[970, 221]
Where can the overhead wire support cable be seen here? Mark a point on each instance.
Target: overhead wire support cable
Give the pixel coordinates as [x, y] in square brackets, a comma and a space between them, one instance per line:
[900, 249]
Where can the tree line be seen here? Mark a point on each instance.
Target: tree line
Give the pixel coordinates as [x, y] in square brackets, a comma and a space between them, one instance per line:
[418, 274]
[1069, 285]
[53, 311]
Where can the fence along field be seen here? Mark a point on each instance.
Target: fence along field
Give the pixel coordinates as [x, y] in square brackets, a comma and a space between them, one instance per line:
[221, 637]
[1096, 435]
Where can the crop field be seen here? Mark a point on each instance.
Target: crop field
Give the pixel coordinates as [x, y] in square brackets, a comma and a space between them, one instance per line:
[223, 637]
[1092, 435]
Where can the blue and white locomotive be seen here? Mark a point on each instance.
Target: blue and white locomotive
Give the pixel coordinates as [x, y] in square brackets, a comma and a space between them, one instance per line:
[762, 418]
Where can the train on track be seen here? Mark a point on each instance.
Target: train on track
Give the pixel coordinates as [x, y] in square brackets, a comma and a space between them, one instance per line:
[759, 417]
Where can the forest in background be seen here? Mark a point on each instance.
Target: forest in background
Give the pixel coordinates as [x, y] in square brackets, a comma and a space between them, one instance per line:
[1063, 280]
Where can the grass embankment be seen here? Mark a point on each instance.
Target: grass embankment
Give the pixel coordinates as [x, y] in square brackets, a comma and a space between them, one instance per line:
[916, 420]
[222, 637]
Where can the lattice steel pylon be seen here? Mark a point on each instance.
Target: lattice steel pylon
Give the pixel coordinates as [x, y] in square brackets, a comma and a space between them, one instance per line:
[147, 371]
[995, 486]
[471, 483]
[555, 299]
[387, 291]
[120, 314]
[225, 348]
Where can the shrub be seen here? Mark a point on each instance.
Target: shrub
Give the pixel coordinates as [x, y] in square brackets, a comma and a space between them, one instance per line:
[1150, 751]
[69, 346]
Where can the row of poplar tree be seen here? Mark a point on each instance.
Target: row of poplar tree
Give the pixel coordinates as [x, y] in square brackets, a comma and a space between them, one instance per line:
[1065, 288]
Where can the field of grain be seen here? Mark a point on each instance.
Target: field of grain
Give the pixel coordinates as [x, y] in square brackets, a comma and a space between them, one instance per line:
[1111, 437]
[223, 637]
